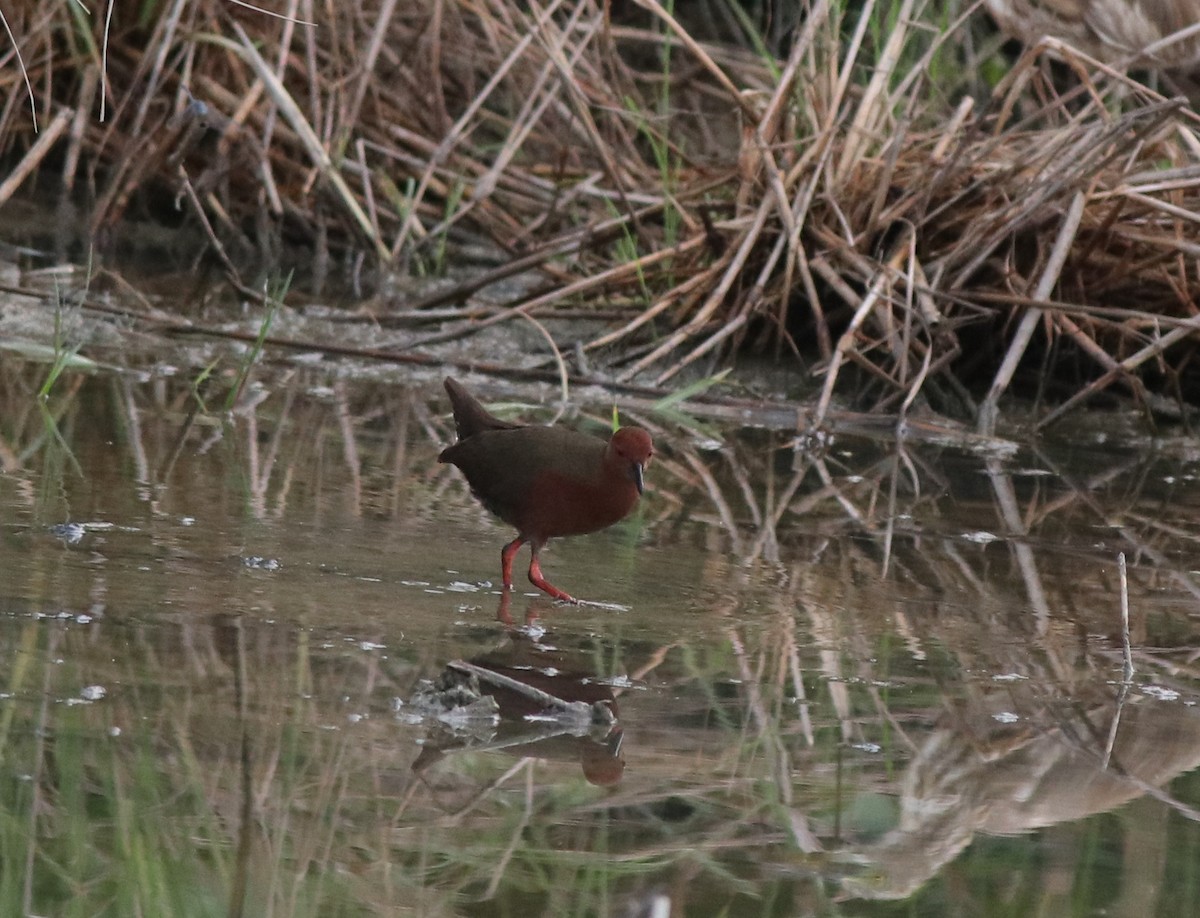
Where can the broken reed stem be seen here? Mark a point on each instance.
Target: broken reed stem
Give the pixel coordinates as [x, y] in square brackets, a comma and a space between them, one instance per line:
[31, 160]
[1046, 283]
[1127, 671]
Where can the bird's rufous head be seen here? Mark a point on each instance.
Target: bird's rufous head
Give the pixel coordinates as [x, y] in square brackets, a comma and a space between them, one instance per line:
[630, 450]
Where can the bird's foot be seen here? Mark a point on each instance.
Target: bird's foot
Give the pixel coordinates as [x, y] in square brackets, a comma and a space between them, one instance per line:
[536, 578]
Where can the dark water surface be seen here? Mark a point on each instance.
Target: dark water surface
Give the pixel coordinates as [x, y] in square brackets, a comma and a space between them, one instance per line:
[881, 679]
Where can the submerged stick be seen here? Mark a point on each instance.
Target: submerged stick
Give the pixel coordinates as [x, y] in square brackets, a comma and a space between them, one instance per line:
[1127, 670]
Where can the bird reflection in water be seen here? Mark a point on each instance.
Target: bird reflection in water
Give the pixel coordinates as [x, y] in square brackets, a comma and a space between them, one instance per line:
[524, 699]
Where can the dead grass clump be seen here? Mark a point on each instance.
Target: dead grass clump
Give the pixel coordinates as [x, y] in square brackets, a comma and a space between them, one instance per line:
[865, 200]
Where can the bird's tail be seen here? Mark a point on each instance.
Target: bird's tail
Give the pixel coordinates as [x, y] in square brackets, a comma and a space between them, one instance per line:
[470, 417]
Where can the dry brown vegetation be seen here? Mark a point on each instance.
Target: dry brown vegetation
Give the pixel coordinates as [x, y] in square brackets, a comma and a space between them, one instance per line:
[856, 202]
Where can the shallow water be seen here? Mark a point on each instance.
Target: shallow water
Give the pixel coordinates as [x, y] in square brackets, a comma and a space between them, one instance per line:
[880, 678]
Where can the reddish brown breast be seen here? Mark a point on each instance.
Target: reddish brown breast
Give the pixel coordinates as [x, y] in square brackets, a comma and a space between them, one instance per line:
[563, 505]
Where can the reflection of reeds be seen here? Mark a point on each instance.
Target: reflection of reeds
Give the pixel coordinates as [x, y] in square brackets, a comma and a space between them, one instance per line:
[837, 643]
[762, 495]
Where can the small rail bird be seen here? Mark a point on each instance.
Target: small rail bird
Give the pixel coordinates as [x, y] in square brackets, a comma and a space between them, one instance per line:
[545, 481]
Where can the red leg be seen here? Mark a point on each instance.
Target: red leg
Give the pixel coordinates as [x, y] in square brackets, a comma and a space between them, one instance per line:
[503, 615]
[506, 559]
[536, 578]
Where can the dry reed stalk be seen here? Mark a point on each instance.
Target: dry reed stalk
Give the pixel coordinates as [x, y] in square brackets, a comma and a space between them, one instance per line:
[30, 162]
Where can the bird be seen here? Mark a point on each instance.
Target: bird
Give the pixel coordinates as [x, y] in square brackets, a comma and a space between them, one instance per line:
[545, 482]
